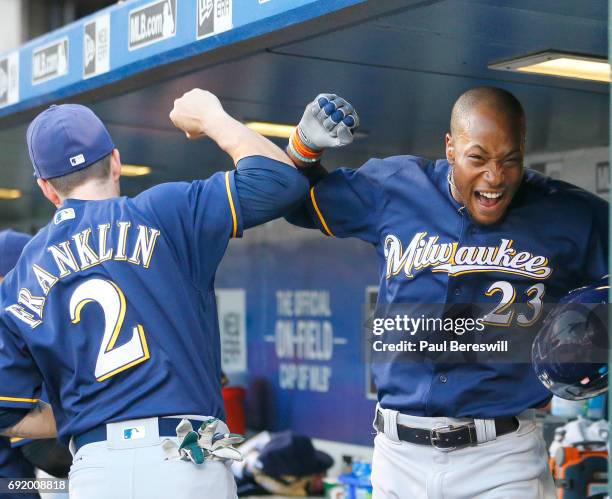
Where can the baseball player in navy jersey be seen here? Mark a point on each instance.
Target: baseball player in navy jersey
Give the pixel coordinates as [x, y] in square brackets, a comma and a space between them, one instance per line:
[13, 463]
[476, 227]
[112, 305]
[20, 457]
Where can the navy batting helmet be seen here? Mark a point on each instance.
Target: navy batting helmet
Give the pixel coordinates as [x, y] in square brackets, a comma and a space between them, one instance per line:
[570, 353]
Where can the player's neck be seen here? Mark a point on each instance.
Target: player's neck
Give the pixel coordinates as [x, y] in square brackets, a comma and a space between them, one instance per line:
[94, 191]
[455, 193]
[453, 188]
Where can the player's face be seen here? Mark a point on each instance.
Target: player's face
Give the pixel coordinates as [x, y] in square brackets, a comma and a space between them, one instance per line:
[487, 156]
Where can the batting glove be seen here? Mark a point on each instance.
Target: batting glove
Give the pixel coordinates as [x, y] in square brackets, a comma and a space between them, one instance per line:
[328, 121]
[203, 444]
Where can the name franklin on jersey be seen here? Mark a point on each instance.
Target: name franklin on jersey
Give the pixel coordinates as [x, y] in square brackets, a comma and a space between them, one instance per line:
[424, 252]
[77, 254]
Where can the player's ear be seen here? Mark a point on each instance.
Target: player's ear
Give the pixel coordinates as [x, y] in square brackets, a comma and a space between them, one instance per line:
[450, 148]
[49, 192]
[115, 164]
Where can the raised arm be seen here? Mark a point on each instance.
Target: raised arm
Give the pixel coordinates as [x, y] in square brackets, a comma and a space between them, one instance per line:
[268, 185]
[329, 121]
[199, 113]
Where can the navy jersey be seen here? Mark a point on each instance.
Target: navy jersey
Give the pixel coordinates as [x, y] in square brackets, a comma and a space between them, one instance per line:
[112, 306]
[553, 238]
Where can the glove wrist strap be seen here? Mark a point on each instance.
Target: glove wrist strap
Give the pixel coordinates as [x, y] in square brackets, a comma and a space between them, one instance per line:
[301, 151]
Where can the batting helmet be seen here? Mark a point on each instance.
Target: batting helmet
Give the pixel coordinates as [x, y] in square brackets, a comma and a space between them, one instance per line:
[570, 353]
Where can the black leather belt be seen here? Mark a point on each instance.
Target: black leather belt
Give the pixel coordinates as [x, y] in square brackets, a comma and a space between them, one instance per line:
[447, 437]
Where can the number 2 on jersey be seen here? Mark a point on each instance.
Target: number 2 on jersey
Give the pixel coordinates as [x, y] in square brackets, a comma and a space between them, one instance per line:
[111, 359]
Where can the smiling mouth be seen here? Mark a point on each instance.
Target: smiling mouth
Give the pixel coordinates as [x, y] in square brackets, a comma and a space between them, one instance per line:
[489, 199]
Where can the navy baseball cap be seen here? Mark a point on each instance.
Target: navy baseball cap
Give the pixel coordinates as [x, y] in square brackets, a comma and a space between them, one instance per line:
[11, 245]
[292, 454]
[66, 138]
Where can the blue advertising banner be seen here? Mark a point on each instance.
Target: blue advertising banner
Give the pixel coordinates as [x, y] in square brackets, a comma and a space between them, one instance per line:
[131, 37]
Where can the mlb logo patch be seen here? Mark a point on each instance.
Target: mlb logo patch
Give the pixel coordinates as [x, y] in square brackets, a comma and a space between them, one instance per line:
[77, 160]
[134, 433]
[63, 215]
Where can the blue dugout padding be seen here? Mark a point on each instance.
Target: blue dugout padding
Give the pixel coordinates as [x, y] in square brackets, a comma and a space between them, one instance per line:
[306, 300]
[129, 38]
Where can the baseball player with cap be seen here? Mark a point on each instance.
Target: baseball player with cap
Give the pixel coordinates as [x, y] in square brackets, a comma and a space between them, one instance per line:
[474, 228]
[112, 305]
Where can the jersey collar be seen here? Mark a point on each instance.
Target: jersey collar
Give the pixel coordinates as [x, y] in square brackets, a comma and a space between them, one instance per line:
[443, 169]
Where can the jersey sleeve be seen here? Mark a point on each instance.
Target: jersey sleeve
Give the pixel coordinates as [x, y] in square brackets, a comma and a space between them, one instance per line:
[198, 219]
[20, 379]
[347, 202]
[596, 262]
[267, 189]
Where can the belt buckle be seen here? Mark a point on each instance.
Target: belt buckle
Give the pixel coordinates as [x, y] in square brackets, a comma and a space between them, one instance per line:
[434, 436]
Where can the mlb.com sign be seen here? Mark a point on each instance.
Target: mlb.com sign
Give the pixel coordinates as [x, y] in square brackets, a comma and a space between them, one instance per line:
[50, 61]
[152, 23]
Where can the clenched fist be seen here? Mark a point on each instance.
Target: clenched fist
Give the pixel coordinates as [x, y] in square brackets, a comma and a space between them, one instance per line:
[328, 121]
[196, 112]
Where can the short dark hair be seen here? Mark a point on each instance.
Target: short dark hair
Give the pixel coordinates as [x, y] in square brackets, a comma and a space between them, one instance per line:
[65, 184]
[492, 97]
